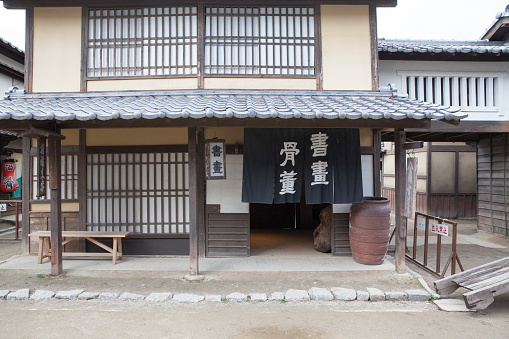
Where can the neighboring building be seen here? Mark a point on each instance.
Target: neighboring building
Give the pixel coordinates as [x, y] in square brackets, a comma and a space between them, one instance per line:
[461, 169]
[12, 62]
[140, 88]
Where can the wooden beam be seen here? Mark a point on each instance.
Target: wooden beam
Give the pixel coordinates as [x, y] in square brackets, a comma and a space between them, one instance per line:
[56, 205]
[34, 132]
[25, 195]
[400, 166]
[193, 201]
[413, 145]
[29, 49]
[374, 48]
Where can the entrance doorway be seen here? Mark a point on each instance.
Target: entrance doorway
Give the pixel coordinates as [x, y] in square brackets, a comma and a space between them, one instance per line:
[284, 230]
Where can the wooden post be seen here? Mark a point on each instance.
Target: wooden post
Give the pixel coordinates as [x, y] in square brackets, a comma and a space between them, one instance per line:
[200, 192]
[400, 166]
[25, 195]
[377, 143]
[54, 151]
[193, 200]
[82, 186]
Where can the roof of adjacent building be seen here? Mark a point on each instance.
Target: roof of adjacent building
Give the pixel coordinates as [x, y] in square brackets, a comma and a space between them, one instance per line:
[221, 104]
[442, 46]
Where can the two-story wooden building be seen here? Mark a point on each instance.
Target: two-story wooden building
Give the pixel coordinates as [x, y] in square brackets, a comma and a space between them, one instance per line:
[137, 89]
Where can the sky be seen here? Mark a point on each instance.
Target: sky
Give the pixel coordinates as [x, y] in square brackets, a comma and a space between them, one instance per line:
[411, 19]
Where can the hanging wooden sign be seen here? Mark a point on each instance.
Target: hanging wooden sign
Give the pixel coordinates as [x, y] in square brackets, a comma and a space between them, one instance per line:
[411, 187]
[215, 159]
[41, 167]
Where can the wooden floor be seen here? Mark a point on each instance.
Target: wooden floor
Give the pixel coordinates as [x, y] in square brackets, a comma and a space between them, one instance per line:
[284, 243]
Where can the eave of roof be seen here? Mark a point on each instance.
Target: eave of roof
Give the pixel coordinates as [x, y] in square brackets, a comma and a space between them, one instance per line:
[204, 104]
[23, 4]
[12, 52]
[443, 47]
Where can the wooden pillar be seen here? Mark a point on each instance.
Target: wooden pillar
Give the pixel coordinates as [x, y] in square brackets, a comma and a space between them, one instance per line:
[200, 192]
[82, 187]
[25, 195]
[54, 151]
[193, 200]
[400, 166]
[377, 143]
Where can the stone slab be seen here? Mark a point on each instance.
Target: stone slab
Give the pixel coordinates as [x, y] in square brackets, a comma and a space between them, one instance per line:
[68, 295]
[22, 294]
[344, 294]
[375, 294]
[3, 294]
[214, 298]
[296, 295]
[278, 296]
[159, 297]
[42, 295]
[417, 295]
[236, 296]
[107, 296]
[362, 296]
[318, 293]
[131, 297]
[88, 295]
[452, 305]
[396, 296]
[258, 297]
[188, 298]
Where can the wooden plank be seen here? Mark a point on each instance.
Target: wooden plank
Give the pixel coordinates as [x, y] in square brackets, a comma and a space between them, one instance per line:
[93, 234]
[82, 185]
[495, 279]
[480, 299]
[448, 285]
[201, 192]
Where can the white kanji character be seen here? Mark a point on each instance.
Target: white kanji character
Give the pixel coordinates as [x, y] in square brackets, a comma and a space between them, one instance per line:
[290, 150]
[319, 173]
[287, 182]
[319, 144]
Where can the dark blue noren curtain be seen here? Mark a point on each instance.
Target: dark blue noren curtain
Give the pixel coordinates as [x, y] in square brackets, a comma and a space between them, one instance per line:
[289, 165]
[347, 166]
[319, 168]
[258, 165]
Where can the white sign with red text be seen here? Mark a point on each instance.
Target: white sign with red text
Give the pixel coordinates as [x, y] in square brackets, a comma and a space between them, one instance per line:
[440, 229]
[3, 207]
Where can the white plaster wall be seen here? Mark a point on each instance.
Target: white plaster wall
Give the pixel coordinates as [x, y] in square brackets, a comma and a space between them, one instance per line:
[388, 73]
[228, 192]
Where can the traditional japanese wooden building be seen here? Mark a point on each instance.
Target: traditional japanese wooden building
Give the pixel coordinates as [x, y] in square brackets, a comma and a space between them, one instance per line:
[129, 93]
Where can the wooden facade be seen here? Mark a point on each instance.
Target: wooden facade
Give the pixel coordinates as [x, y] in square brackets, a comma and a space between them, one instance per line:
[493, 181]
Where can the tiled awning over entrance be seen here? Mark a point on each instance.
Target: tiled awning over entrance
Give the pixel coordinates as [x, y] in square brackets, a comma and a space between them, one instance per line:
[221, 104]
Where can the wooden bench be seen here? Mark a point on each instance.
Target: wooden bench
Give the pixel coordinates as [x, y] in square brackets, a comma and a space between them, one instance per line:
[484, 282]
[67, 236]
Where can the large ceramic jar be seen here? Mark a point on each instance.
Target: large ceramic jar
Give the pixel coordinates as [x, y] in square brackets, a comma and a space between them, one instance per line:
[370, 223]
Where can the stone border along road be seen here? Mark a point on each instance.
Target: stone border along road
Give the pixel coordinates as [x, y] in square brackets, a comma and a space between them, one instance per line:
[292, 295]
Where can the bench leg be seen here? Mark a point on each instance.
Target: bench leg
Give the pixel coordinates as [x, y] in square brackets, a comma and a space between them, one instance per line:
[41, 250]
[115, 247]
[120, 248]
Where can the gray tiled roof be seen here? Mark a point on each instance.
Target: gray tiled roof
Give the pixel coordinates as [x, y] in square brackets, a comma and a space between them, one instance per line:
[221, 104]
[442, 46]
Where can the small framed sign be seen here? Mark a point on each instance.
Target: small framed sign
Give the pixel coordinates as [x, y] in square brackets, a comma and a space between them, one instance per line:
[215, 159]
[440, 229]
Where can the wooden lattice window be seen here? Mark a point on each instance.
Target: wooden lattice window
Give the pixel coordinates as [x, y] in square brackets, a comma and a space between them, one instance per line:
[143, 193]
[167, 41]
[69, 179]
[265, 40]
[142, 42]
